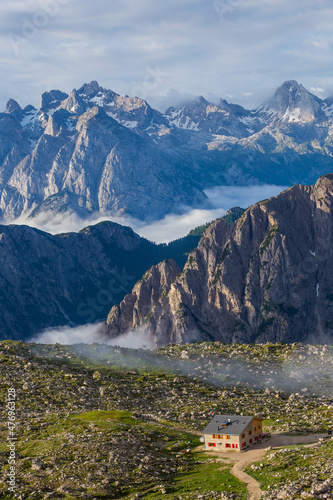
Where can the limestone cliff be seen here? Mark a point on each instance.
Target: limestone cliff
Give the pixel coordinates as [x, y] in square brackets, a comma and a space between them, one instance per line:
[267, 278]
[154, 284]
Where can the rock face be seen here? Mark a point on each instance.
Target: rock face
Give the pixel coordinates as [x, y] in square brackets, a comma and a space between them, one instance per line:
[72, 279]
[145, 294]
[48, 281]
[89, 152]
[292, 103]
[267, 278]
[95, 151]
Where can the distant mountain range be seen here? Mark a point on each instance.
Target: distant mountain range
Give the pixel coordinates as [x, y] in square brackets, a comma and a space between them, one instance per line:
[96, 151]
[267, 278]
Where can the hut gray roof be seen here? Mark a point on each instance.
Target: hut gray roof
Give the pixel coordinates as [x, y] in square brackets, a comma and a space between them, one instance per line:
[232, 425]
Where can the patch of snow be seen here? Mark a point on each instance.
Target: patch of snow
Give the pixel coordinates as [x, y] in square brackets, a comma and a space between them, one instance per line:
[317, 289]
[190, 125]
[328, 110]
[218, 130]
[175, 118]
[248, 120]
[292, 116]
[221, 140]
[129, 124]
[265, 114]
[111, 115]
[70, 124]
[99, 100]
[51, 111]
[313, 253]
[30, 119]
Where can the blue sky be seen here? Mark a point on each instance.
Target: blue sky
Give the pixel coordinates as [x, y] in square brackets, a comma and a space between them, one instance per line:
[241, 50]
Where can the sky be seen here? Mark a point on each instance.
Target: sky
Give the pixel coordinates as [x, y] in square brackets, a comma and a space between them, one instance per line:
[166, 52]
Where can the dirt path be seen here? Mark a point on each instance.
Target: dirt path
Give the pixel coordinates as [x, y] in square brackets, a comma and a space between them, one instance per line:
[243, 460]
[238, 471]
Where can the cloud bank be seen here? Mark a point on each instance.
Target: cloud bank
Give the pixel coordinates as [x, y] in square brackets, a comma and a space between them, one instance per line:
[172, 226]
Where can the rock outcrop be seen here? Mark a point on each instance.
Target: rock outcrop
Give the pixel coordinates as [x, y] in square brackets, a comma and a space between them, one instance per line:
[267, 278]
[154, 284]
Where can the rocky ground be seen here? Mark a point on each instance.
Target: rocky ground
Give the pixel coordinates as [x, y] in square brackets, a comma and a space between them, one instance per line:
[109, 422]
[297, 473]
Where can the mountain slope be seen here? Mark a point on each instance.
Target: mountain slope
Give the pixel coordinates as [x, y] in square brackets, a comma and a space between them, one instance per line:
[101, 165]
[95, 151]
[292, 103]
[267, 278]
[74, 278]
[69, 279]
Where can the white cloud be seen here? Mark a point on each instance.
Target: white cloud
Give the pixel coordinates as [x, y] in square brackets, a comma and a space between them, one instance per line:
[241, 196]
[172, 226]
[92, 334]
[67, 336]
[202, 51]
[317, 90]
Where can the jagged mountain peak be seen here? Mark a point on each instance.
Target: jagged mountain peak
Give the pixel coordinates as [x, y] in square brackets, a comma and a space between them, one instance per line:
[189, 104]
[51, 100]
[201, 101]
[292, 92]
[239, 284]
[11, 106]
[93, 94]
[290, 85]
[200, 142]
[292, 103]
[90, 88]
[132, 112]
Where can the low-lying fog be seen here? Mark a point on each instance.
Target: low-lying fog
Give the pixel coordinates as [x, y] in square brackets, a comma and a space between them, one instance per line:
[172, 226]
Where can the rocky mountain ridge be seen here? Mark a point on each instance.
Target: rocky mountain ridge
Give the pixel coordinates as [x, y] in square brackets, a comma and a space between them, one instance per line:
[95, 151]
[72, 279]
[267, 278]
